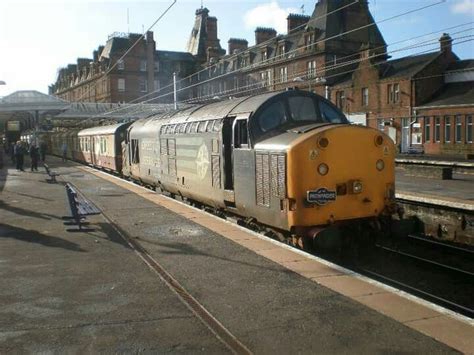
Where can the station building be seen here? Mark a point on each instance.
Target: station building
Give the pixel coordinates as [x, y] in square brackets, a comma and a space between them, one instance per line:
[107, 78]
[402, 97]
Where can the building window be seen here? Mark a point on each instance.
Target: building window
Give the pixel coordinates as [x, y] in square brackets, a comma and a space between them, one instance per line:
[309, 40]
[469, 129]
[157, 66]
[281, 50]
[143, 85]
[427, 129]
[393, 93]
[283, 74]
[120, 64]
[264, 55]
[156, 85]
[365, 96]
[263, 77]
[458, 131]
[447, 129]
[142, 65]
[381, 124]
[121, 85]
[340, 99]
[437, 129]
[269, 77]
[311, 69]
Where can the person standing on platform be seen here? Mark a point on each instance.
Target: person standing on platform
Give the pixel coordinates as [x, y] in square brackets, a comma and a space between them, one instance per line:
[12, 152]
[19, 155]
[34, 155]
[42, 150]
[64, 151]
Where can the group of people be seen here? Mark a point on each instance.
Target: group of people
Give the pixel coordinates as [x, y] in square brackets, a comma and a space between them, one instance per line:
[19, 149]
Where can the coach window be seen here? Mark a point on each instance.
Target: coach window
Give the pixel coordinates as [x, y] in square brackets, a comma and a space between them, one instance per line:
[209, 125]
[469, 129]
[135, 152]
[458, 130]
[447, 129]
[241, 137]
[202, 126]
[437, 129]
[217, 125]
[427, 129]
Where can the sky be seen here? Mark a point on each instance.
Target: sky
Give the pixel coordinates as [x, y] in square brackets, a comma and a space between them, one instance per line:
[38, 37]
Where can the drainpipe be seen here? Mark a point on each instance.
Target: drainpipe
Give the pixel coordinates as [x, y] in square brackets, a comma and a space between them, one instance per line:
[174, 92]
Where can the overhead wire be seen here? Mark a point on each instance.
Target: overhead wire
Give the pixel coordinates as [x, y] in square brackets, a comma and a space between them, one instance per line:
[258, 84]
[272, 60]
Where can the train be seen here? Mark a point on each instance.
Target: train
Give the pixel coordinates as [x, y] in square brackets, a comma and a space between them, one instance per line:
[289, 162]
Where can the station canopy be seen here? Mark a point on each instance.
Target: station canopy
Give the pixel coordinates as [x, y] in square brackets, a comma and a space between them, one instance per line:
[29, 101]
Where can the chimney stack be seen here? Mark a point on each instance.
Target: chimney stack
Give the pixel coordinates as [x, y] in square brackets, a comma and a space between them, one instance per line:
[263, 34]
[446, 43]
[296, 21]
[237, 45]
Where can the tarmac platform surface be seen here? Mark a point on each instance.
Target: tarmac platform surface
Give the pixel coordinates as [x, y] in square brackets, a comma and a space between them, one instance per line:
[80, 292]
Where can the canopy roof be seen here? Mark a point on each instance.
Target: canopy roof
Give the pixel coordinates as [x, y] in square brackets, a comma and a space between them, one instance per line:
[31, 100]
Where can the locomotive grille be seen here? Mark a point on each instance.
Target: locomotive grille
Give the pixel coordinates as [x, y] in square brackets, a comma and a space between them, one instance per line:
[278, 176]
[216, 171]
[163, 146]
[262, 163]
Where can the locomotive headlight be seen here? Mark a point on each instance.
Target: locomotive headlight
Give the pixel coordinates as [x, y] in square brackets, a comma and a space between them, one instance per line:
[380, 165]
[378, 140]
[323, 169]
[356, 187]
[323, 142]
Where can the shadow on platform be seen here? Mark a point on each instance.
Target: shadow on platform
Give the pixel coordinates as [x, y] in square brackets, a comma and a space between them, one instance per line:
[186, 249]
[26, 213]
[30, 236]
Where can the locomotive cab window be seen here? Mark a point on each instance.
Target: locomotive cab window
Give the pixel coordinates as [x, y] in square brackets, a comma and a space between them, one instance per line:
[241, 137]
[273, 116]
[302, 108]
[330, 114]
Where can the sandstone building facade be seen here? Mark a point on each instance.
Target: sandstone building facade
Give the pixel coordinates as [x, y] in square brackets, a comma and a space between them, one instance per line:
[425, 102]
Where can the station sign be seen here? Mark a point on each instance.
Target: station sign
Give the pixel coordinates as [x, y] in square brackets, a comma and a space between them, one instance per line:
[13, 126]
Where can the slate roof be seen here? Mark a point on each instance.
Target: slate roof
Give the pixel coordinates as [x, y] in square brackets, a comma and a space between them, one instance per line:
[406, 66]
[453, 94]
[337, 22]
[175, 56]
[462, 64]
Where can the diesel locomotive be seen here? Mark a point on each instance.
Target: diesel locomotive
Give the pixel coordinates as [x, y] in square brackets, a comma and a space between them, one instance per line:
[289, 161]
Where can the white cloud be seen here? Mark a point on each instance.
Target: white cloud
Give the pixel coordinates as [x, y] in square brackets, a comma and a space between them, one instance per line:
[268, 15]
[463, 7]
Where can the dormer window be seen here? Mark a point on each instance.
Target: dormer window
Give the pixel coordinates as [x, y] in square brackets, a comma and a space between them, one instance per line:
[264, 54]
[281, 50]
[309, 41]
[120, 64]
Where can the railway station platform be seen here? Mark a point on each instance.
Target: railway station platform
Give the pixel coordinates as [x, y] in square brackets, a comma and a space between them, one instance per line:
[155, 275]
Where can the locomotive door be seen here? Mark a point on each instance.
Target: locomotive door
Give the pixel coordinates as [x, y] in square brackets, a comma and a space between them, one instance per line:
[227, 153]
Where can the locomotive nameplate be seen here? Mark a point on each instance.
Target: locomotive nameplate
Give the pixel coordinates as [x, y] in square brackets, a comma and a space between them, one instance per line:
[321, 196]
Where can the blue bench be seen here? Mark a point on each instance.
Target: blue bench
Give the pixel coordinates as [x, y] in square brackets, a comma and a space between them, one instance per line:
[80, 208]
